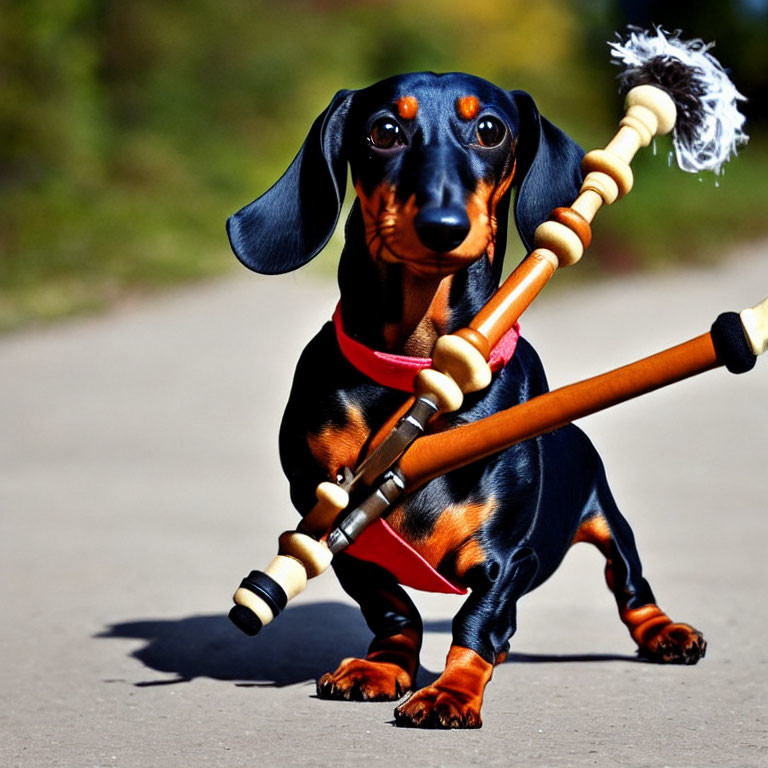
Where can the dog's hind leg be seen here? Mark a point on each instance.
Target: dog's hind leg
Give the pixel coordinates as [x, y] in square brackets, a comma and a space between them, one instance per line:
[658, 637]
[389, 668]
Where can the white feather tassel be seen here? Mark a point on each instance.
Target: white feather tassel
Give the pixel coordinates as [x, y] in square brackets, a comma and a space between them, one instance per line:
[709, 129]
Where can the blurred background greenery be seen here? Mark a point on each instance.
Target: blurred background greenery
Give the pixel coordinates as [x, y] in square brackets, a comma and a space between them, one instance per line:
[129, 131]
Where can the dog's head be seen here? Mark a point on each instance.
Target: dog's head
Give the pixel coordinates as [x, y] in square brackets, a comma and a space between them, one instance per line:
[433, 159]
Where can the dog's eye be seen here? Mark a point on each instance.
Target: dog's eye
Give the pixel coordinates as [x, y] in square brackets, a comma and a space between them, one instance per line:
[490, 132]
[385, 134]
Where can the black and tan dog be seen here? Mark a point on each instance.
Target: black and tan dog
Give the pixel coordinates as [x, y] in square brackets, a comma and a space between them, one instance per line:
[434, 160]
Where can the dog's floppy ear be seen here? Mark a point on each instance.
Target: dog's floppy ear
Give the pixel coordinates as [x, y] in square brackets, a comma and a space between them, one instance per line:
[548, 173]
[294, 219]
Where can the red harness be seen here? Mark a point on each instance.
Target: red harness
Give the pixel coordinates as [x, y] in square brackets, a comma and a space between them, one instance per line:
[379, 543]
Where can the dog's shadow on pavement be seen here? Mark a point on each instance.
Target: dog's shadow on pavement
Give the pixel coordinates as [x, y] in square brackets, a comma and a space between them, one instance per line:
[302, 644]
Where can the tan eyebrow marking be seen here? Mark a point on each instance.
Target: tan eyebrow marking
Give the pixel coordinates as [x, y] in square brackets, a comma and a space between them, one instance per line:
[407, 107]
[468, 107]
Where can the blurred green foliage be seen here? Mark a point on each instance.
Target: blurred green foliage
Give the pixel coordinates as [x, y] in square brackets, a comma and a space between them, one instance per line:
[129, 131]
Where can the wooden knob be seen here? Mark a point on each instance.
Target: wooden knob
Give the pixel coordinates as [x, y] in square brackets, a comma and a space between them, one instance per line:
[443, 388]
[603, 186]
[606, 162]
[457, 358]
[574, 221]
[333, 496]
[331, 499]
[262, 595]
[656, 106]
[313, 555]
[561, 240]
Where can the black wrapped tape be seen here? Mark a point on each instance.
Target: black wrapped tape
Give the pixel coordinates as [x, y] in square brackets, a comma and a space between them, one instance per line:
[267, 589]
[731, 343]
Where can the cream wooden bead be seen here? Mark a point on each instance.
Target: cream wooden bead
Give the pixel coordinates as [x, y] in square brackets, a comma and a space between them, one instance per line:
[289, 573]
[312, 554]
[755, 322]
[603, 161]
[603, 185]
[331, 499]
[457, 358]
[559, 239]
[255, 604]
[332, 496]
[443, 388]
[658, 103]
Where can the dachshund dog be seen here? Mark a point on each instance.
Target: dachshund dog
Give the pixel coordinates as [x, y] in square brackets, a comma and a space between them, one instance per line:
[434, 161]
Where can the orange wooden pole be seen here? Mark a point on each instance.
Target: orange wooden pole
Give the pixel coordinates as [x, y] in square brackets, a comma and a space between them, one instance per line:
[513, 297]
[437, 454]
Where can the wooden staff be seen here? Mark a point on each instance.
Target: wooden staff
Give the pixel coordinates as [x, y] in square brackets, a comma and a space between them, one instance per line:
[734, 341]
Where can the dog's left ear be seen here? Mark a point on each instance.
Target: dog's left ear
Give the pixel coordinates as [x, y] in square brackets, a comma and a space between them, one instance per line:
[294, 219]
[548, 173]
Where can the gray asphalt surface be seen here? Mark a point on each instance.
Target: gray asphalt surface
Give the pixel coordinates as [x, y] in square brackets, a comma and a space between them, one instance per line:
[140, 481]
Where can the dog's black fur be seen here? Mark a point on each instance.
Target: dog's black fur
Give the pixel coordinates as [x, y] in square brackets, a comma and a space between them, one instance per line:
[423, 253]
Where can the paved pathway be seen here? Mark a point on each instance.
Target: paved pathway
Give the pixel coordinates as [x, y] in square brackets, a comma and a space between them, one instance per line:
[139, 482]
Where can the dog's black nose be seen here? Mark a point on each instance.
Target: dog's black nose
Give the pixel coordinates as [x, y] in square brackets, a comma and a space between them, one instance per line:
[442, 229]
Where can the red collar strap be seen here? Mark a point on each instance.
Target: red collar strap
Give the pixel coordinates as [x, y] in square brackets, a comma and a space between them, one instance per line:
[399, 371]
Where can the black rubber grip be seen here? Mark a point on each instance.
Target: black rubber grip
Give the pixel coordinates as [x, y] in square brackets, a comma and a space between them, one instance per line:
[731, 343]
[246, 620]
[267, 589]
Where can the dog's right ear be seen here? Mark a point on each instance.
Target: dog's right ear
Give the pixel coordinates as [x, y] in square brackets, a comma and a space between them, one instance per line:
[548, 173]
[294, 219]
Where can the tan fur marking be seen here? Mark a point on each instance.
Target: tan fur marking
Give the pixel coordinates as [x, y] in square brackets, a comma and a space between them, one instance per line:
[644, 622]
[453, 534]
[470, 555]
[467, 107]
[594, 531]
[334, 447]
[454, 530]
[407, 107]
[391, 235]
[425, 316]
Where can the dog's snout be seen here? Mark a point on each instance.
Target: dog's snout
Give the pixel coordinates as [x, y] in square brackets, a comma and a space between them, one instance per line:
[442, 229]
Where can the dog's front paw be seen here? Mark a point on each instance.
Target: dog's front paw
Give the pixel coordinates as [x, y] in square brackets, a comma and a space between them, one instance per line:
[675, 643]
[438, 707]
[363, 680]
